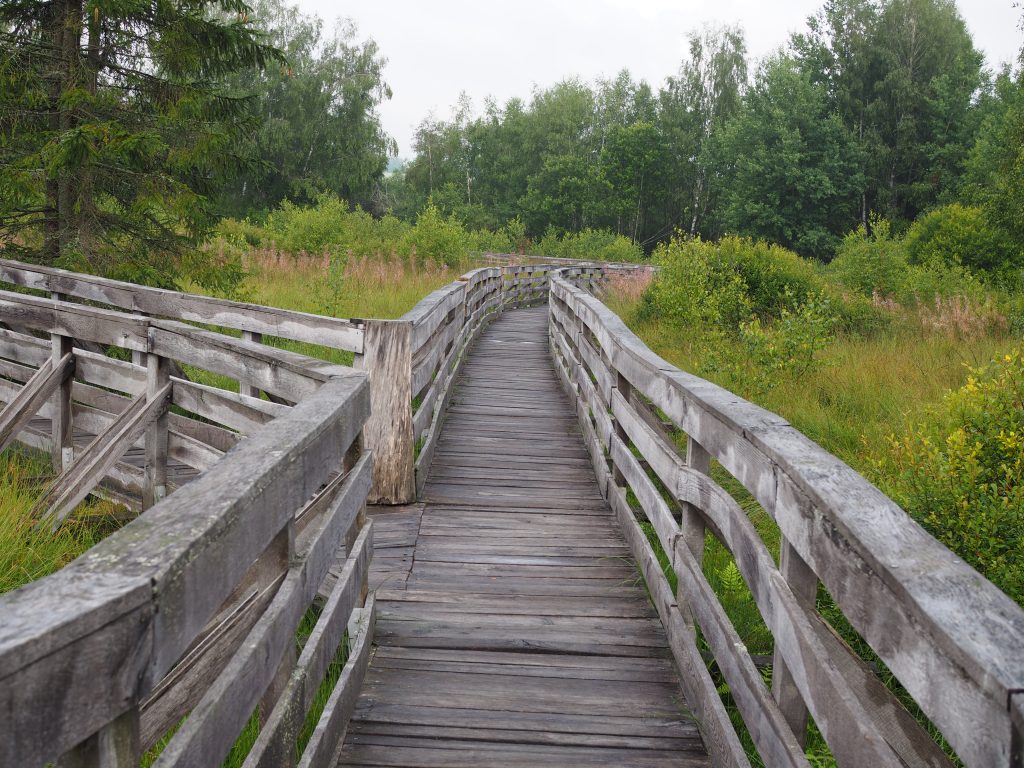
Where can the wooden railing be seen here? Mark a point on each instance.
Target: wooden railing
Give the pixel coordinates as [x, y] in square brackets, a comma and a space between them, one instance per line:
[182, 624]
[952, 639]
[414, 360]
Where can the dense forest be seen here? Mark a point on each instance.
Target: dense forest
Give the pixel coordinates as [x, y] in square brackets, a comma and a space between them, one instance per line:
[128, 130]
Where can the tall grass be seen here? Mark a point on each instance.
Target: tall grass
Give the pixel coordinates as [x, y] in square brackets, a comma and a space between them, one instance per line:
[27, 551]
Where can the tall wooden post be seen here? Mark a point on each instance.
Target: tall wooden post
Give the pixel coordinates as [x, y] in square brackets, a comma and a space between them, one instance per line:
[387, 358]
[157, 376]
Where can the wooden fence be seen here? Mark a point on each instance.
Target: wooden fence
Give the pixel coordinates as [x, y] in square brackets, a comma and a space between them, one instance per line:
[192, 608]
[414, 360]
[954, 641]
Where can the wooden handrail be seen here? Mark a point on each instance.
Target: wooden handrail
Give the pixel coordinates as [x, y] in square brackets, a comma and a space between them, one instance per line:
[324, 331]
[953, 640]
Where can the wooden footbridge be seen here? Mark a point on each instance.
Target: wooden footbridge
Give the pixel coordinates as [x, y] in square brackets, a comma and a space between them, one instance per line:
[533, 474]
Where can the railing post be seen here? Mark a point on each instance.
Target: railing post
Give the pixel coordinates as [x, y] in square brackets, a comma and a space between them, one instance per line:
[387, 358]
[626, 390]
[804, 584]
[244, 387]
[279, 556]
[699, 460]
[155, 489]
[61, 426]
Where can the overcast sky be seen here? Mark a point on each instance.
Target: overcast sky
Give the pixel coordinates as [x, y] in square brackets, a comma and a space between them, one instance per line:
[438, 48]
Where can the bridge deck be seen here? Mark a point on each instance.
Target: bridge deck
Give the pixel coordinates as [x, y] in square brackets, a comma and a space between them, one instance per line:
[513, 628]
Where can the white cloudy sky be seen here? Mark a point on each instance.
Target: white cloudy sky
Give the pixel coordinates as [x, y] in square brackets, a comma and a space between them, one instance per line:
[438, 48]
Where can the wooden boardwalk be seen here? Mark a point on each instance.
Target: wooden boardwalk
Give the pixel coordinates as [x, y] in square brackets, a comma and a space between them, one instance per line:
[513, 628]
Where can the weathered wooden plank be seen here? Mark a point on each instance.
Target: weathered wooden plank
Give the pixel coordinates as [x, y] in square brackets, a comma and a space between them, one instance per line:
[218, 718]
[388, 432]
[330, 730]
[184, 556]
[74, 320]
[75, 483]
[887, 575]
[276, 742]
[764, 721]
[17, 413]
[720, 738]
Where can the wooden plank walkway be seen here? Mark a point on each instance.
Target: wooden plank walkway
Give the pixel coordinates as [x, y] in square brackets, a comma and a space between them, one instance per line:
[513, 628]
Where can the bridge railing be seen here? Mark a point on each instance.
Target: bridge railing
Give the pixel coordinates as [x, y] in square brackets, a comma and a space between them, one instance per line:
[413, 362]
[181, 625]
[951, 638]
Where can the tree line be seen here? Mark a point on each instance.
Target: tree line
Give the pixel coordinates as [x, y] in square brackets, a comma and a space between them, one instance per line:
[878, 109]
[128, 128]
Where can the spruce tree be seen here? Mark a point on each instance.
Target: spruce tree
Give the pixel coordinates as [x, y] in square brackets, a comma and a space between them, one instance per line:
[116, 128]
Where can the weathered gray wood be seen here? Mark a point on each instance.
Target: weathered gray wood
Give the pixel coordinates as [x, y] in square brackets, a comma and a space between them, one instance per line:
[720, 737]
[275, 371]
[804, 584]
[764, 721]
[17, 413]
[107, 643]
[220, 715]
[329, 733]
[61, 426]
[183, 687]
[885, 573]
[157, 382]
[276, 743]
[75, 483]
[244, 388]
[288, 324]
[388, 433]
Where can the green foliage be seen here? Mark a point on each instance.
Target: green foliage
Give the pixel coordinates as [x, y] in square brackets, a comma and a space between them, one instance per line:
[872, 264]
[320, 131]
[589, 244]
[957, 235]
[725, 283]
[960, 473]
[438, 239]
[791, 168]
[118, 127]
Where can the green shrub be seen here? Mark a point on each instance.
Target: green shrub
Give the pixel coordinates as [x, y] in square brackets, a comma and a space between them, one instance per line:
[697, 288]
[589, 245]
[438, 239]
[875, 264]
[955, 235]
[960, 473]
[768, 354]
[724, 283]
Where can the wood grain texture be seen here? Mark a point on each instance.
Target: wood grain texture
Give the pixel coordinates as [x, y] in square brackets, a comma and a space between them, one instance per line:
[387, 358]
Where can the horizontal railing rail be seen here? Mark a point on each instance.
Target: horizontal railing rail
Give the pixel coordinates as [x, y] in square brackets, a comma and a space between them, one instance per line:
[951, 638]
[253, 319]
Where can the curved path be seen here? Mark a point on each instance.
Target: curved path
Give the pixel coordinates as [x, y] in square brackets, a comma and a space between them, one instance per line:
[513, 628]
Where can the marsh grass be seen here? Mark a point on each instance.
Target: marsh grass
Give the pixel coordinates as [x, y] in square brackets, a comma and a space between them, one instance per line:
[28, 552]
